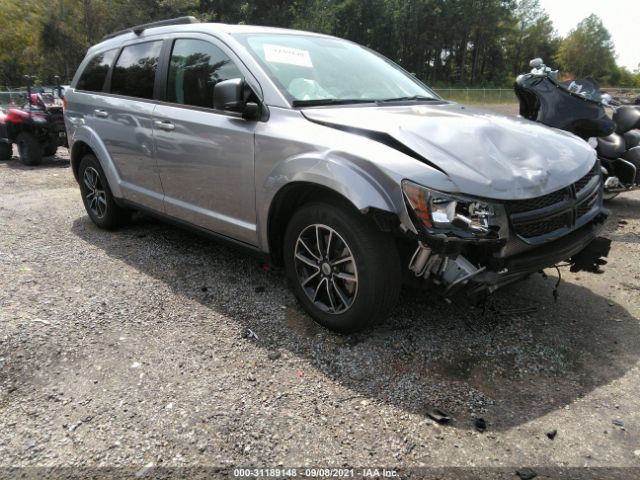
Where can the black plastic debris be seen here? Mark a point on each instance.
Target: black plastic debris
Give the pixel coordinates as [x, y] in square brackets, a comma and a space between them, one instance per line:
[526, 474]
[438, 415]
[481, 424]
[552, 434]
[618, 423]
[204, 289]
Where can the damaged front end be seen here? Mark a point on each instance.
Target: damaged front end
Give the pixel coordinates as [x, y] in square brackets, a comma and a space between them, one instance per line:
[474, 246]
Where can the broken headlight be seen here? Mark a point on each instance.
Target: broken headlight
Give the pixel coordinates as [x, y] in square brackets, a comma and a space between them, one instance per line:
[452, 215]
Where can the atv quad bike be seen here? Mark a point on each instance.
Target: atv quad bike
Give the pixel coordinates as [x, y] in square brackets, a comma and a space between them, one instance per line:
[37, 129]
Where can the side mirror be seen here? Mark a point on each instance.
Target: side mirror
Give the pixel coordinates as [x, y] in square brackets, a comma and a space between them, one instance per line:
[536, 63]
[231, 95]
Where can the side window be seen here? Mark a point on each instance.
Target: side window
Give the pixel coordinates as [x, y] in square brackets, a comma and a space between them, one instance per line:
[196, 66]
[135, 70]
[94, 74]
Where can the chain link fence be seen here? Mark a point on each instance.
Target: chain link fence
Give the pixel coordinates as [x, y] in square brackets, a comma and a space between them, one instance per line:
[506, 95]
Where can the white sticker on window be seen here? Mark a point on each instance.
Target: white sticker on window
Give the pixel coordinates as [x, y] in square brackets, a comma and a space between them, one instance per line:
[287, 55]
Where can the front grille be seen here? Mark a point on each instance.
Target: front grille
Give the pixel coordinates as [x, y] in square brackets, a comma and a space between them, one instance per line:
[519, 206]
[541, 219]
[536, 229]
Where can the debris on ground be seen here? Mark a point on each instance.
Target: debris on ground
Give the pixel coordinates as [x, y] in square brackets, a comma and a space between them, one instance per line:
[249, 334]
[480, 424]
[526, 474]
[552, 434]
[438, 415]
[274, 355]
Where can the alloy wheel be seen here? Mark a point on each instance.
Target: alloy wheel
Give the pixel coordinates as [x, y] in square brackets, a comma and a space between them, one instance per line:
[95, 194]
[326, 268]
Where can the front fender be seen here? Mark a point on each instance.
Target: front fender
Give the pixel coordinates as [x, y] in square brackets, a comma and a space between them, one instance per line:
[85, 134]
[363, 183]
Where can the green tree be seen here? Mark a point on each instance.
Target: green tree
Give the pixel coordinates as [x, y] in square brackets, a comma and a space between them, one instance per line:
[589, 51]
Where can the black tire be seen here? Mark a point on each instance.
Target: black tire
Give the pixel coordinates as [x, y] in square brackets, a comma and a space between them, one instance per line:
[29, 149]
[6, 151]
[50, 149]
[377, 266]
[98, 200]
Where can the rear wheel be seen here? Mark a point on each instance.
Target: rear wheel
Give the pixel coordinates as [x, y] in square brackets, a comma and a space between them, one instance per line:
[29, 149]
[344, 272]
[6, 151]
[97, 197]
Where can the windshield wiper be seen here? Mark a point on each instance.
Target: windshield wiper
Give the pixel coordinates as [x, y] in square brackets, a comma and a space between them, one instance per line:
[330, 101]
[409, 99]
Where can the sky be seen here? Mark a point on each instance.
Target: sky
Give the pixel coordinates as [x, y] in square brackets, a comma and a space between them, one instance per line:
[620, 17]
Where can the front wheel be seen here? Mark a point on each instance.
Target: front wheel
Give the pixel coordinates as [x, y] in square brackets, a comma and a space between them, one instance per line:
[29, 149]
[345, 273]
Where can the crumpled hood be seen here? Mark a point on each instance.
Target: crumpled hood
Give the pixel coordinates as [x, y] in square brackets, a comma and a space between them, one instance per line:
[483, 153]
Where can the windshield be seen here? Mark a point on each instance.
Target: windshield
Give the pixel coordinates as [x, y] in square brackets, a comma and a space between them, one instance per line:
[585, 87]
[312, 70]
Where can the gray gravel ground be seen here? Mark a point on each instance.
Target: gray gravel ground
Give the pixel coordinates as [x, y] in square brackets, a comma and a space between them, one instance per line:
[132, 348]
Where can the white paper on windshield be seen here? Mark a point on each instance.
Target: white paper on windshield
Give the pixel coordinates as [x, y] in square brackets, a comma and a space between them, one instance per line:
[287, 55]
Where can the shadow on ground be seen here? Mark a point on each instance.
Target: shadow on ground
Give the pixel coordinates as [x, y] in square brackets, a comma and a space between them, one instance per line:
[47, 162]
[506, 365]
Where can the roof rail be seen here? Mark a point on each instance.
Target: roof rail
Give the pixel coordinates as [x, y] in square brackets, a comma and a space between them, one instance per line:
[161, 23]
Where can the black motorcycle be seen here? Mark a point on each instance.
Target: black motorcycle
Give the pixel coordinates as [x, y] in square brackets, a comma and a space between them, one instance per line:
[578, 107]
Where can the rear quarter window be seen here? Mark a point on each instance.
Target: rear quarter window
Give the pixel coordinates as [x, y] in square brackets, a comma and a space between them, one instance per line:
[135, 71]
[95, 73]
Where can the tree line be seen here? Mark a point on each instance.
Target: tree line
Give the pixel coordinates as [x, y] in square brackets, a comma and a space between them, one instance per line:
[443, 42]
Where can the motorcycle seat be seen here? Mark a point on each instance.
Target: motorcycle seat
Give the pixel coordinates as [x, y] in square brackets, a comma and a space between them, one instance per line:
[611, 146]
[627, 117]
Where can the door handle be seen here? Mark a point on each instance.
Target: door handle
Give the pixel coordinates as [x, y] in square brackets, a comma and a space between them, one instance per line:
[168, 126]
[101, 113]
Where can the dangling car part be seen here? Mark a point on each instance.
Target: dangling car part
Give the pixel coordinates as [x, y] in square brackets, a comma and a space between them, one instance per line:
[578, 107]
[37, 128]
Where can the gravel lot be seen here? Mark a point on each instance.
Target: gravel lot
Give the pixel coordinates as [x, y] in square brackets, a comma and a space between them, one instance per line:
[155, 346]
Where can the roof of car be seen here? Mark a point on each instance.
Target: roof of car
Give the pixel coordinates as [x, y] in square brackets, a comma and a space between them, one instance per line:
[220, 28]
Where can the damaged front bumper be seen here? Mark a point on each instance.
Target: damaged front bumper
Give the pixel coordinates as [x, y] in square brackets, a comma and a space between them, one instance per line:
[477, 245]
[474, 270]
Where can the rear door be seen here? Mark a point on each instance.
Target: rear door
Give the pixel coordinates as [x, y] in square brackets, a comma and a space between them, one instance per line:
[205, 157]
[123, 121]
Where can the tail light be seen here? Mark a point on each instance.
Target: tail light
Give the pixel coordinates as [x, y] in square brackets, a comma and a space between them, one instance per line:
[64, 103]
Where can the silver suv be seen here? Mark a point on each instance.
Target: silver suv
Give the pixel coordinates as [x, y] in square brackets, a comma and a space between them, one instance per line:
[331, 159]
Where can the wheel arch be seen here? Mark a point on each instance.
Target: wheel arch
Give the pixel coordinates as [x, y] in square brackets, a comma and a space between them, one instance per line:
[293, 195]
[86, 142]
[79, 150]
